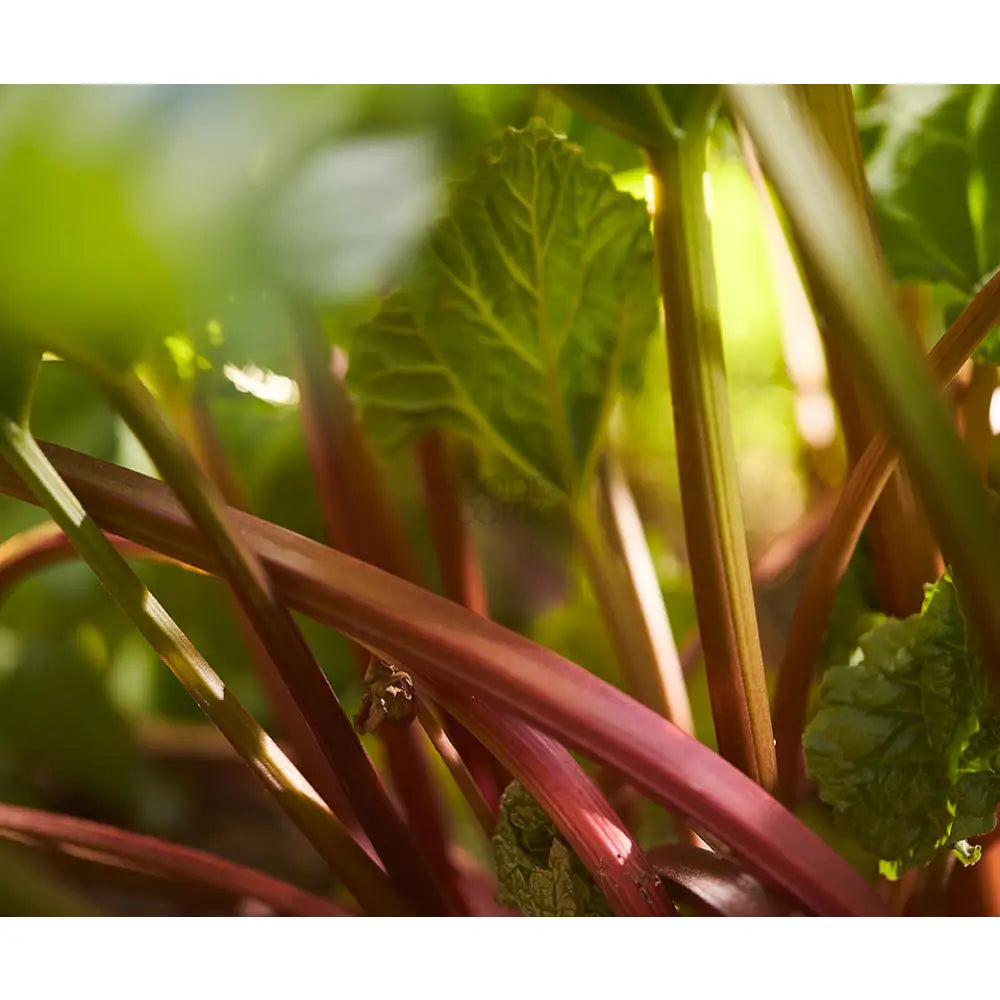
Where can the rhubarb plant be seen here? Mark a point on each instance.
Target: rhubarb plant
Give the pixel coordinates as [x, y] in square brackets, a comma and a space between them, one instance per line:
[334, 394]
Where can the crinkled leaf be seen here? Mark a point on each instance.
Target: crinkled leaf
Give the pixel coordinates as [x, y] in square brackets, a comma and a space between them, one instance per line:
[537, 872]
[902, 746]
[530, 306]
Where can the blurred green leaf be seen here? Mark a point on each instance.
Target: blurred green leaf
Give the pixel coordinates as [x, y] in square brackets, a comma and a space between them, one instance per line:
[637, 112]
[131, 213]
[532, 304]
[57, 720]
[347, 220]
[931, 148]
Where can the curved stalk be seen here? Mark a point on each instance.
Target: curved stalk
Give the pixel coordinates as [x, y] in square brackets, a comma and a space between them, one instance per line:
[46, 544]
[493, 666]
[713, 517]
[360, 513]
[311, 691]
[295, 796]
[583, 815]
[100, 843]
[357, 521]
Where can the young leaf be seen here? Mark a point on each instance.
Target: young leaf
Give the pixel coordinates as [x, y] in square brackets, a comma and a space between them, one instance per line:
[532, 302]
[536, 870]
[900, 747]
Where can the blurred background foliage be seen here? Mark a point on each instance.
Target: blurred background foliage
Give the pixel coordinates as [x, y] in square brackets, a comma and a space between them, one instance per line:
[161, 224]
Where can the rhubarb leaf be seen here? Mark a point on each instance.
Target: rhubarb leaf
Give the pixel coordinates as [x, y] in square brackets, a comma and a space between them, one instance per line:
[537, 872]
[903, 745]
[530, 306]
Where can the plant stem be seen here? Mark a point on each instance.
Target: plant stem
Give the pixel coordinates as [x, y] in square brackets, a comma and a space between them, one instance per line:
[556, 781]
[832, 556]
[462, 581]
[359, 520]
[458, 562]
[624, 582]
[900, 546]
[492, 668]
[266, 760]
[713, 518]
[974, 417]
[459, 772]
[53, 832]
[831, 232]
[191, 416]
[309, 687]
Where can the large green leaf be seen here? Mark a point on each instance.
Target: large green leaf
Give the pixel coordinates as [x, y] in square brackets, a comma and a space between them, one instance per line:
[529, 308]
[904, 742]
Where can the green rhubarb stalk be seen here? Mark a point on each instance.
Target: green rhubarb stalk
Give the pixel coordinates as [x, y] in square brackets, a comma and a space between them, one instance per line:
[360, 874]
[713, 517]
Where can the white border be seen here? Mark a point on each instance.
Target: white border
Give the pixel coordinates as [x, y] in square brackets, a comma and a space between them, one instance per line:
[494, 959]
[439, 41]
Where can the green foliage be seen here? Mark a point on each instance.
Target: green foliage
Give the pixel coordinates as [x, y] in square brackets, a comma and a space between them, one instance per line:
[530, 306]
[135, 214]
[637, 112]
[934, 170]
[903, 745]
[647, 114]
[537, 872]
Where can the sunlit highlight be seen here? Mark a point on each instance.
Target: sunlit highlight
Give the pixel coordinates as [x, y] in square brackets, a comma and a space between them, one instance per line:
[278, 390]
[995, 411]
